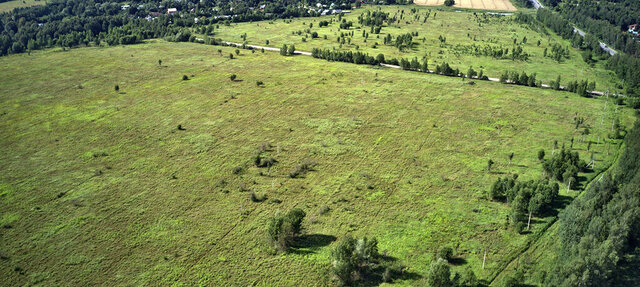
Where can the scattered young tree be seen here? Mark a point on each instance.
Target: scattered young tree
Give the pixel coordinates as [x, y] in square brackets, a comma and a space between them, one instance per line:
[489, 164]
[291, 50]
[159, 62]
[116, 88]
[352, 257]
[232, 77]
[439, 274]
[283, 229]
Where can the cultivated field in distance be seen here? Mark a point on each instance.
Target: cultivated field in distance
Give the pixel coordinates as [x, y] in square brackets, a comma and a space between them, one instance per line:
[501, 5]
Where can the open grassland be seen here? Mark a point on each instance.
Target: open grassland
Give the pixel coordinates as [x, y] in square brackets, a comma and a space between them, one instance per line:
[10, 5]
[462, 31]
[100, 187]
[501, 5]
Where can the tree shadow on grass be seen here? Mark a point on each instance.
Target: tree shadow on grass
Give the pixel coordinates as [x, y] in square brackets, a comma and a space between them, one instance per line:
[457, 261]
[386, 264]
[558, 204]
[310, 243]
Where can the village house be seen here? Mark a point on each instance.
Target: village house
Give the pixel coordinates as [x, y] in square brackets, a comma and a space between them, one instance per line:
[633, 29]
[172, 11]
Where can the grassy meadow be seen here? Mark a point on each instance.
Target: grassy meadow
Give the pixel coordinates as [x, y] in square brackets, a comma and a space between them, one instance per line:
[101, 188]
[461, 28]
[10, 5]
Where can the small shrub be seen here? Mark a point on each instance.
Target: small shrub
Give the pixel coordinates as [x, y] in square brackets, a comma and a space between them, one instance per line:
[233, 77]
[302, 168]
[185, 78]
[237, 170]
[258, 197]
[259, 83]
[116, 88]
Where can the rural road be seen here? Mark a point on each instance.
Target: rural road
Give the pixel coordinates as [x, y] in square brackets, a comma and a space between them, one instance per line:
[602, 45]
[597, 93]
[265, 48]
[538, 5]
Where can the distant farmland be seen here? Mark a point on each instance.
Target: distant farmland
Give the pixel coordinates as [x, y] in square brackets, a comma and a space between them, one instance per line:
[501, 5]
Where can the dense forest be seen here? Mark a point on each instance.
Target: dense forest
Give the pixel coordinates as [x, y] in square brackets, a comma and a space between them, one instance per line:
[600, 230]
[75, 22]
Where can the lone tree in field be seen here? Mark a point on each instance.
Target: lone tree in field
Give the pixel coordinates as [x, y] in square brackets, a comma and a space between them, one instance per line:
[230, 56]
[159, 62]
[283, 229]
[489, 164]
[117, 88]
[185, 78]
[237, 52]
[232, 77]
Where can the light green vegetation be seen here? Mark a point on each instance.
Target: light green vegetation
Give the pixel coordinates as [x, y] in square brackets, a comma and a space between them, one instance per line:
[461, 29]
[10, 5]
[101, 188]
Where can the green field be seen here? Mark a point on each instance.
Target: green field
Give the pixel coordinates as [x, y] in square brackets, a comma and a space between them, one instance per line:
[101, 188]
[462, 29]
[10, 5]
